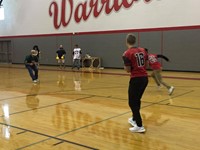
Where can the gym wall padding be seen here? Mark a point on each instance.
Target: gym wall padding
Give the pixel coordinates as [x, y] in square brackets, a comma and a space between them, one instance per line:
[181, 46]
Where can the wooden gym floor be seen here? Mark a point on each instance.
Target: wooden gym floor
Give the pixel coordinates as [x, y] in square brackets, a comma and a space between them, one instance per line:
[87, 110]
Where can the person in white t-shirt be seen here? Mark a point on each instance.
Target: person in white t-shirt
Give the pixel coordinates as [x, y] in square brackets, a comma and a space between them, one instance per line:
[76, 57]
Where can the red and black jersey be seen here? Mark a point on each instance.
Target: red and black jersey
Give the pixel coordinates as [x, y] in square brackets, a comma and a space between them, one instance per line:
[136, 58]
[153, 62]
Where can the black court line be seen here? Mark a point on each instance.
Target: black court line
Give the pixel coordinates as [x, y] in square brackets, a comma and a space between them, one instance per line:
[52, 93]
[58, 143]
[50, 137]
[62, 140]
[178, 106]
[12, 97]
[78, 99]
[123, 74]
[102, 121]
[110, 97]
[45, 93]
[153, 103]
[126, 99]
[55, 137]
[21, 132]
[125, 113]
[89, 96]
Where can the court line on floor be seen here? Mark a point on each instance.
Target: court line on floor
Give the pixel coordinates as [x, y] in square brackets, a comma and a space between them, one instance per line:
[151, 104]
[108, 73]
[12, 98]
[172, 97]
[126, 99]
[124, 74]
[113, 117]
[60, 139]
[78, 99]
[49, 137]
[24, 95]
[159, 102]
[92, 95]
[50, 93]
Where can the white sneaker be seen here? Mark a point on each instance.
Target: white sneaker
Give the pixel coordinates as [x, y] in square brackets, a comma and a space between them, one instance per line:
[34, 81]
[130, 120]
[171, 90]
[137, 129]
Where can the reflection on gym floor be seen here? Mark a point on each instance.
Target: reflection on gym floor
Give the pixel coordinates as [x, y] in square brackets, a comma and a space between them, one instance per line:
[77, 81]
[32, 100]
[6, 118]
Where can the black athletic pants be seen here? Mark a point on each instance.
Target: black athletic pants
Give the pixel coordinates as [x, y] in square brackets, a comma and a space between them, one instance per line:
[136, 89]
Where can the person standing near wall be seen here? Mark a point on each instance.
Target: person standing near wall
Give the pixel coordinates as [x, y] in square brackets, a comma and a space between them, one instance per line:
[76, 57]
[156, 66]
[135, 59]
[61, 57]
[31, 62]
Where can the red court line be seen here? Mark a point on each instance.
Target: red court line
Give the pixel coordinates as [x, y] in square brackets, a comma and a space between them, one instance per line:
[171, 77]
[109, 73]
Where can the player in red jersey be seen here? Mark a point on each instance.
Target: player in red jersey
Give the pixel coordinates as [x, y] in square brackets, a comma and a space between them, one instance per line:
[135, 59]
[156, 66]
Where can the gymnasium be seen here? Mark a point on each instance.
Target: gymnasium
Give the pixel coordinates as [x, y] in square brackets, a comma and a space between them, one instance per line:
[87, 108]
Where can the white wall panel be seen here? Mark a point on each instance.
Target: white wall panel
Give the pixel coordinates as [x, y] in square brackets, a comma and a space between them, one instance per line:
[31, 17]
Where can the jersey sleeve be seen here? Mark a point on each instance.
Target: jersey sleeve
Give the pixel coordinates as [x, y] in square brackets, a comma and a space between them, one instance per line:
[27, 59]
[126, 60]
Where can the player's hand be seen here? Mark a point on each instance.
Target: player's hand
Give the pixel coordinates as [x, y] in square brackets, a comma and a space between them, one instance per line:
[34, 63]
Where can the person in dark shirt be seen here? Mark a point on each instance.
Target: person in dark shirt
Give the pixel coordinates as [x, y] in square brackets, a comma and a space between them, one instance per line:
[61, 57]
[31, 62]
